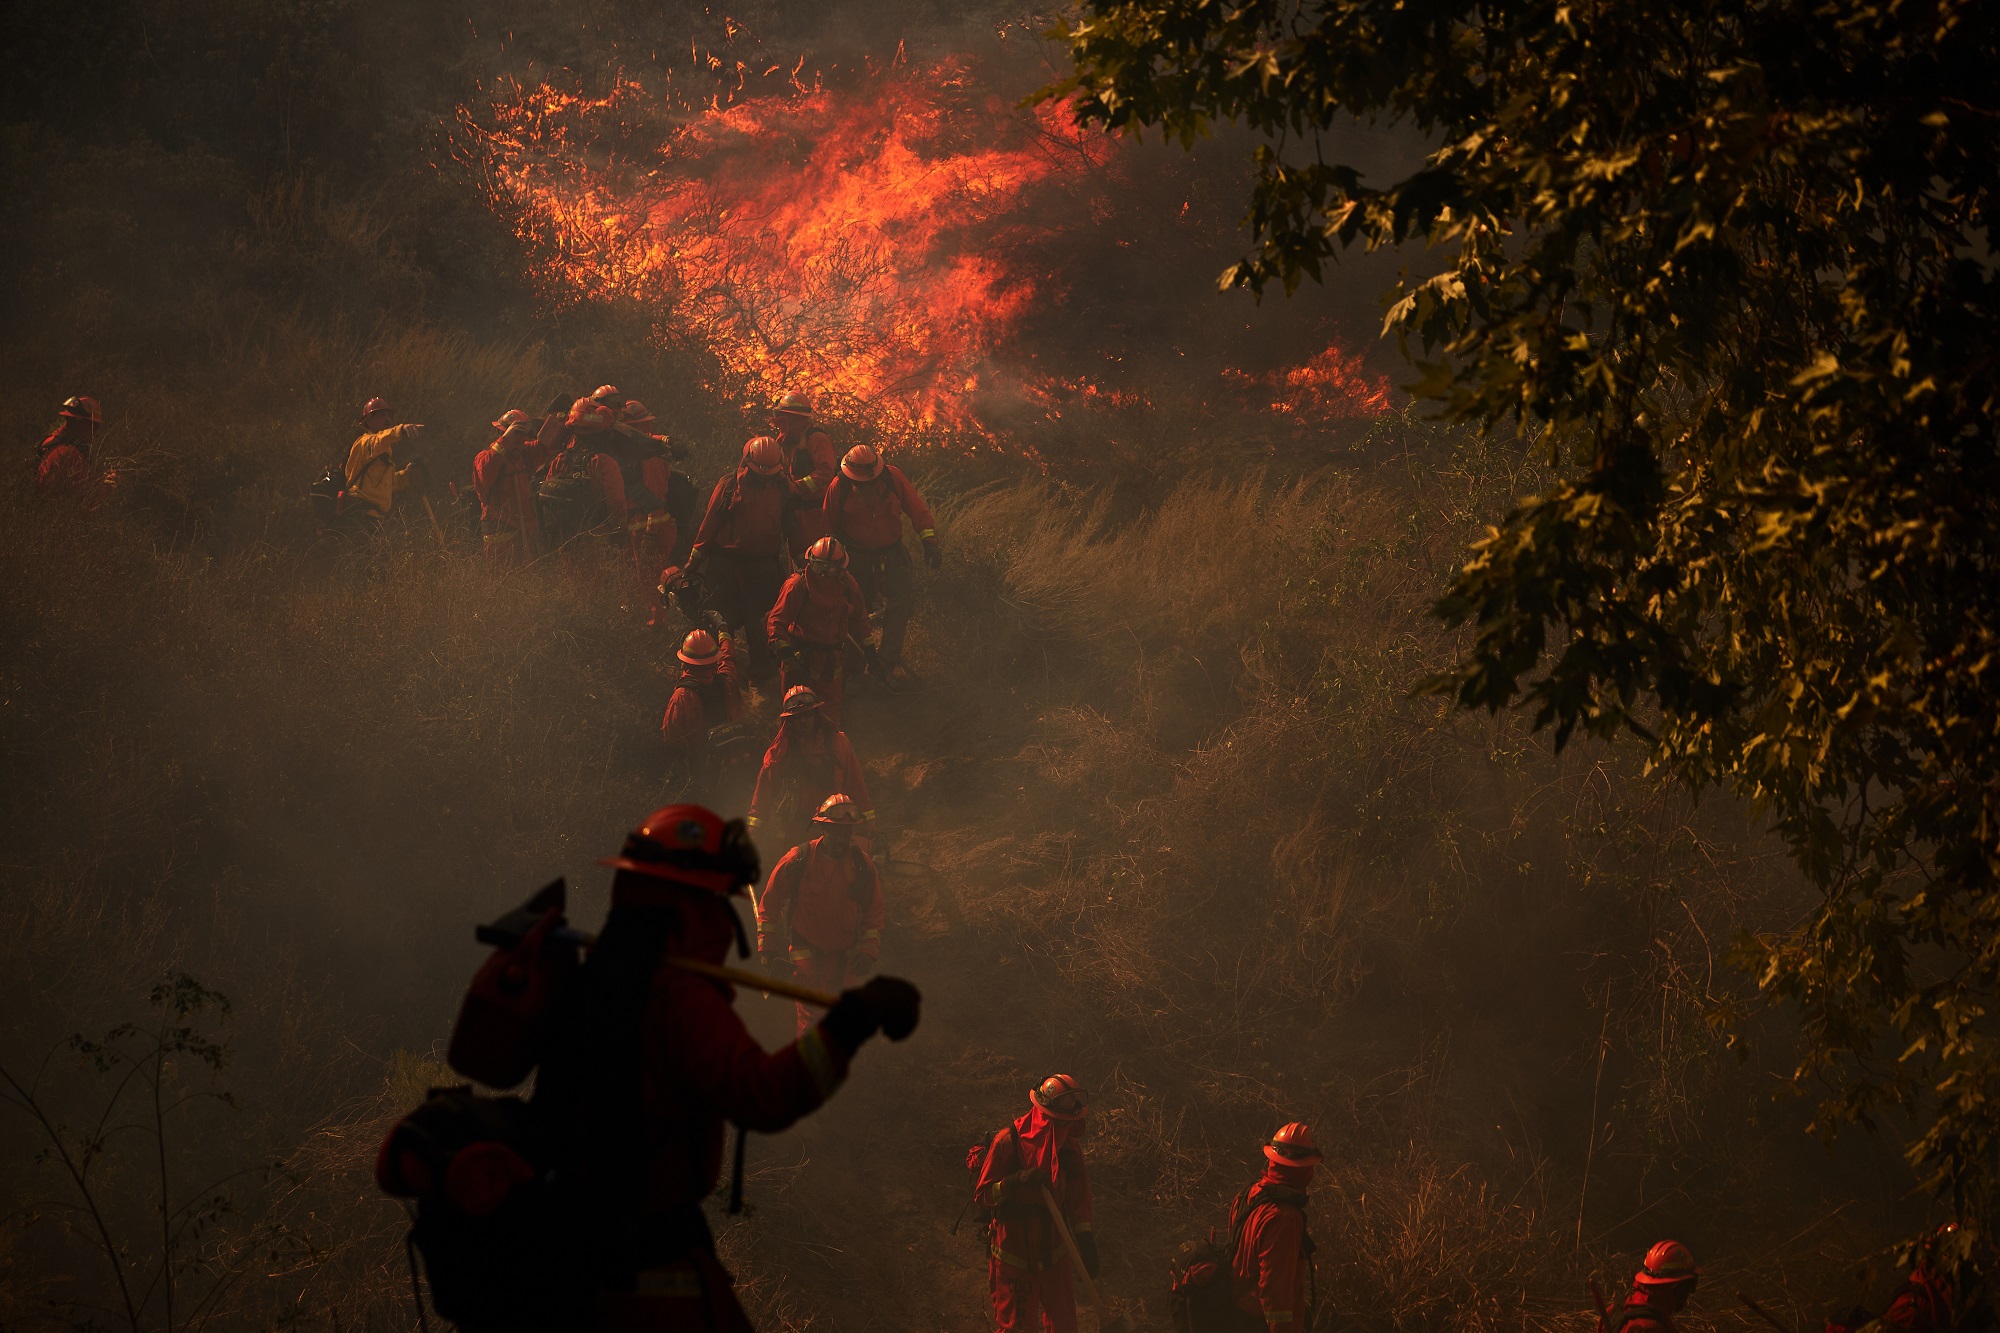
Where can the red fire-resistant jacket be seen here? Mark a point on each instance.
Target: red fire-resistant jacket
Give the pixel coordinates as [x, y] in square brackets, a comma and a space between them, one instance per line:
[803, 767]
[830, 904]
[505, 480]
[747, 515]
[705, 697]
[703, 1067]
[820, 612]
[1022, 1235]
[868, 515]
[1269, 1267]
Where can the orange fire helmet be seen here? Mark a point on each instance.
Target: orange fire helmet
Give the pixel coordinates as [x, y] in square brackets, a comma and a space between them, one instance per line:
[838, 808]
[793, 405]
[799, 699]
[1060, 1098]
[763, 456]
[699, 648]
[827, 551]
[635, 413]
[1293, 1146]
[861, 464]
[1667, 1264]
[691, 845]
[588, 415]
[606, 394]
[511, 418]
[82, 408]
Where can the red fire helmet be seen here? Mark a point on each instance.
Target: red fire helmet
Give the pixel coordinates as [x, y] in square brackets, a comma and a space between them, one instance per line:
[1293, 1146]
[587, 415]
[1060, 1098]
[799, 699]
[763, 456]
[82, 408]
[699, 648]
[635, 413]
[827, 551]
[838, 808]
[374, 405]
[793, 405]
[691, 845]
[1667, 1264]
[861, 464]
[511, 418]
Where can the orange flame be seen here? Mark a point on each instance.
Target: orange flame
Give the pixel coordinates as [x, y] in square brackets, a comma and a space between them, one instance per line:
[863, 248]
[1333, 386]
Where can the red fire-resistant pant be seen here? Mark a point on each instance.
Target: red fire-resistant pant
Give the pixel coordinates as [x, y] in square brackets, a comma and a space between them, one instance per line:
[1023, 1301]
[822, 970]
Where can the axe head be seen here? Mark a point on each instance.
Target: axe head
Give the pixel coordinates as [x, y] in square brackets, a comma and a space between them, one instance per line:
[512, 928]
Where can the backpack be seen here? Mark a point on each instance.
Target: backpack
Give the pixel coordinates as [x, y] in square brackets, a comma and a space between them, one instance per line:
[524, 1208]
[976, 1158]
[1202, 1293]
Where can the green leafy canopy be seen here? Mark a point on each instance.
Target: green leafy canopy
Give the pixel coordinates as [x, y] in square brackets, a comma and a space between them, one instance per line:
[1730, 264]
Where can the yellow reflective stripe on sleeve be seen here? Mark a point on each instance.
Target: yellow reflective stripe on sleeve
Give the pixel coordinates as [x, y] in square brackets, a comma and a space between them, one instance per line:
[928, 533]
[800, 952]
[750, 821]
[826, 1075]
[871, 815]
[1277, 1316]
[868, 935]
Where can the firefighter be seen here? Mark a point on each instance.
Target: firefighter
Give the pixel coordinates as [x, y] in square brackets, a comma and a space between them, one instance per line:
[381, 464]
[582, 491]
[64, 462]
[706, 697]
[823, 906]
[664, 480]
[740, 545]
[637, 501]
[1271, 1265]
[818, 612]
[809, 761]
[504, 476]
[1659, 1289]
[865, 508]
[698, 1067]
[1037, 1158]
[810, 459]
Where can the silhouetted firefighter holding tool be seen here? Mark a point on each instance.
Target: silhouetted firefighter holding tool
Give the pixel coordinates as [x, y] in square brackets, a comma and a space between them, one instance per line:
[579, 1208]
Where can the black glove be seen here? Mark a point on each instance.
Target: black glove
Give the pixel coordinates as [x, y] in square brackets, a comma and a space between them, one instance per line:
[932, 556]
[1086, 1245]
[558, 405]
[889, 1005]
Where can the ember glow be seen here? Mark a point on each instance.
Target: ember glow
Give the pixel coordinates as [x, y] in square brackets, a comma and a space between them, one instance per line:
[877, 246]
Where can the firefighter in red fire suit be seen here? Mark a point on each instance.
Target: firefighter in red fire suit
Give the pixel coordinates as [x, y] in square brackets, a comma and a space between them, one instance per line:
[1660, 1289]
[1271, 1266]
[740, 545]
[63, 462]
[809, 761]
[819, 610]
[1028, 1268]
[810, 459]
[865, 508]
[700, 1067]
[504, 476]
[705, 697]
[823, 906]
[663, 479]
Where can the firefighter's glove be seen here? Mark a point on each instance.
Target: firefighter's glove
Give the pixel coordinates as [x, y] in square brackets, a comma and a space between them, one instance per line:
[1027, 1185]
[884, 1004]
[933, 556]
[1086, 1246]
[787, 651]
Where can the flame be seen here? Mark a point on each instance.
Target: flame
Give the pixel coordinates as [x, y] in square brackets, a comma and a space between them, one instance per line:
[1334, 386]
[866, 248]
[877, 247]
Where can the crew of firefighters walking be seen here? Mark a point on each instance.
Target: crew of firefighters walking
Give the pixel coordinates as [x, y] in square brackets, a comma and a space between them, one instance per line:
[795, 573]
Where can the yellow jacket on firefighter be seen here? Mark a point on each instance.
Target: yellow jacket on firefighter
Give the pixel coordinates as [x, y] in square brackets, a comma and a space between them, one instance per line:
[372, 474]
